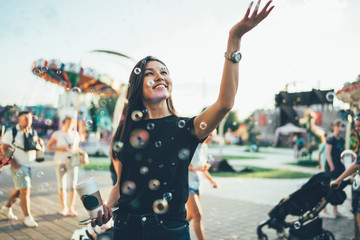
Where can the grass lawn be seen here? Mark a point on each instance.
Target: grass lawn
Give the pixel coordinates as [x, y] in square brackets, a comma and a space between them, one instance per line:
[98, 166]
[306, 163]
[257, 172]
[264, 173]
[240, 157]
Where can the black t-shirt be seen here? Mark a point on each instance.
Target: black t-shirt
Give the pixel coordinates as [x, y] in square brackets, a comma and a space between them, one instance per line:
[337, 147]
[155, 163]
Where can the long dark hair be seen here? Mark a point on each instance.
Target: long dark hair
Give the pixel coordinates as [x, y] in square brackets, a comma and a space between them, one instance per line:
[134, 102]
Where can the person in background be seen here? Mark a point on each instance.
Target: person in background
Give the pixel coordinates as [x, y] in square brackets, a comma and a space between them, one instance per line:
[24, 139]
[65, 142]
[353, 171]
[335, 145]
[322, 154]
[198, 167]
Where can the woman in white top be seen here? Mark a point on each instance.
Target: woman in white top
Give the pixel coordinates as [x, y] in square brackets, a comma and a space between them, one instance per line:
[198, 167]
[64, 143]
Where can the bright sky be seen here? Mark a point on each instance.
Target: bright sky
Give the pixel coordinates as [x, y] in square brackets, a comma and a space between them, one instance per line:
[314, 43]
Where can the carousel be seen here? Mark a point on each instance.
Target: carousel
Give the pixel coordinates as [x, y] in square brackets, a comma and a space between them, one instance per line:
[350, 94]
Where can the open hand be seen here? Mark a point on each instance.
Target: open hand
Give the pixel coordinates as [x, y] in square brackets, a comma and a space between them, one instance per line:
[249, 22]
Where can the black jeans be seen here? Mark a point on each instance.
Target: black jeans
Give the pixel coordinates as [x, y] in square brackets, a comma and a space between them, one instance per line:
[149, 227]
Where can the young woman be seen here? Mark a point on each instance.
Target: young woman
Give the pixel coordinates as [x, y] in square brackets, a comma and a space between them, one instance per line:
[198, 167]
[64, 142]
[335, 145]
[154, 146]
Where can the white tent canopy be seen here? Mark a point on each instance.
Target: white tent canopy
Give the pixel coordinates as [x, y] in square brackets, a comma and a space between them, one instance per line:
[288, 129]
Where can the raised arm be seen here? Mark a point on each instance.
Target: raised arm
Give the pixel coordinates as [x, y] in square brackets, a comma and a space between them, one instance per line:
[208, 120]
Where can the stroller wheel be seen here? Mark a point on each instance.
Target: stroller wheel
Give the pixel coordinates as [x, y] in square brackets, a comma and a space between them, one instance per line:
[327, 235]
[263, 237]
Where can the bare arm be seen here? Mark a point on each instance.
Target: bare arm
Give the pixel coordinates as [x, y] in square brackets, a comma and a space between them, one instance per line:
[15, 164]
[352, 169]
[328, 157]
[112, 200]
[52, 145]
[209, 177]
[213, 115]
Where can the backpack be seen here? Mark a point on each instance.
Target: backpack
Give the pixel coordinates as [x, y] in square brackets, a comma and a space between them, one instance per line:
[29, 143]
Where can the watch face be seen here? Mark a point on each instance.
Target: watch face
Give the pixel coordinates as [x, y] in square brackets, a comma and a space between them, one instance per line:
[237, 57]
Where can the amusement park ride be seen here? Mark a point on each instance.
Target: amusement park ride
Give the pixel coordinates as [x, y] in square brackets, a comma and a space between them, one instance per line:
[78, 81]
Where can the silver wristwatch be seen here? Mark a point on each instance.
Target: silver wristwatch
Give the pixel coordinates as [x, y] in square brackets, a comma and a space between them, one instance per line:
[233, 56]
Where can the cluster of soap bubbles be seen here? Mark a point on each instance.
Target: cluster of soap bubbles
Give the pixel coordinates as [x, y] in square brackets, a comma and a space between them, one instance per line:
[161, 206]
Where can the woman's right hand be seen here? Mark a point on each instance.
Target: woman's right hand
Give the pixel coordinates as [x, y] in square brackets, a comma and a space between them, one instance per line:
[250, 21]
[335, 184]
[102, 218]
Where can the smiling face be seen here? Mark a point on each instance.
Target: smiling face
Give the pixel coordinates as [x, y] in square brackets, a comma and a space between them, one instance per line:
[157, 85]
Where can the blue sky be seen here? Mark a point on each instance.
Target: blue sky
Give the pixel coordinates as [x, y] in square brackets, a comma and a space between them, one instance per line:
[310, 42]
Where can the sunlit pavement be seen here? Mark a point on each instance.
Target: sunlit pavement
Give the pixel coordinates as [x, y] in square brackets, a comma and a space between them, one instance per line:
[231, 212]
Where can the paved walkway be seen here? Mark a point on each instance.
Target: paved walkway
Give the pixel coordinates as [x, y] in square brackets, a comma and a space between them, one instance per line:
[231, 212]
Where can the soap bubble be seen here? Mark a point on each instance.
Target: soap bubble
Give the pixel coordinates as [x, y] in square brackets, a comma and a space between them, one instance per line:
[144, 170]
[48, 122]
[40, 174]
[184, 154]
[158, 144]
[89, 122]
[154, 184]
[203, 125]
[167, 196]
[137, 71]
[150, 82]
[330, 96]
[181, 123]
[75, 90]
[139, 138]
[150, 126]
[160, 206]
[136, 115]
[117, 146]
[103, 103]
[19, 173]
[36, 71]
[128, 187]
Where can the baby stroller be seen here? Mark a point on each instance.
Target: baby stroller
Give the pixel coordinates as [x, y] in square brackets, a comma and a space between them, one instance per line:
[304, 205]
